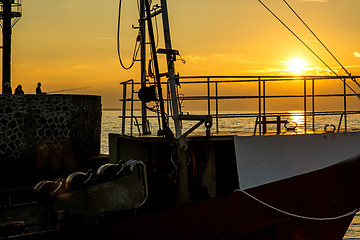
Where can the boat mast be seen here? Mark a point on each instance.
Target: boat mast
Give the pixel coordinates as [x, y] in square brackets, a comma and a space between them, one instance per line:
[183, 196]
[170, 58]
[144, 122]
[166, 130]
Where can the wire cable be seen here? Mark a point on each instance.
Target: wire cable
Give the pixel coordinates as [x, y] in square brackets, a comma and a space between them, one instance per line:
[320, 42]
[155, 7]
[308, 47]
[136, 48]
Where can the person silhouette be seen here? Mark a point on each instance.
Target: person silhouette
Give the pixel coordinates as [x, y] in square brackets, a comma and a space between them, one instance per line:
[18, 90]
[38, 89]
[7, 89]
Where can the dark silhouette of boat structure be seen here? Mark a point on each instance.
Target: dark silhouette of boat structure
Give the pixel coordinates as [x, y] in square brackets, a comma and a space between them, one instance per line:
[278, 181]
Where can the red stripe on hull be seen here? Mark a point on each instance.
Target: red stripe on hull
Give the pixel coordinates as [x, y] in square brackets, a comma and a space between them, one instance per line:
[325, 193]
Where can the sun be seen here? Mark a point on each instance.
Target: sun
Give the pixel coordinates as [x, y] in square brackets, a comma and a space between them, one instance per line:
[296, 65]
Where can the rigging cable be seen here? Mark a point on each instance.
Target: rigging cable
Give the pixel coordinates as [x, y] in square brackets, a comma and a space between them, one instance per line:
[320, 42]
[156, 25]
[136, 48]
[308, 48]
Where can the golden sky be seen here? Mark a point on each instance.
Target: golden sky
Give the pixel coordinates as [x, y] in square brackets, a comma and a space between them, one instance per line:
[72, 44]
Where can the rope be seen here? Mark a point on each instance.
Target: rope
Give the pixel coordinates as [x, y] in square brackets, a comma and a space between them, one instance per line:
[309, 48]
[296, 215]
[321, 42]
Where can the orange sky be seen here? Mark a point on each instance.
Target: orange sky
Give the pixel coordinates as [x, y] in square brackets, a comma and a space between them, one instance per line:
[72, 44]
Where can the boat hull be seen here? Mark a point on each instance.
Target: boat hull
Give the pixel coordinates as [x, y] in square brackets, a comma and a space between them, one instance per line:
[309, 206]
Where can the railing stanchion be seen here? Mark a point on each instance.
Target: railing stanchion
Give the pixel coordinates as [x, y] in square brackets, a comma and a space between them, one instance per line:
[208, 94]
[345, 106]
[259, 117]
[132, 107]
[305, 104]
[217, 107]
[264, 98]
[123, 109]
[313, 104]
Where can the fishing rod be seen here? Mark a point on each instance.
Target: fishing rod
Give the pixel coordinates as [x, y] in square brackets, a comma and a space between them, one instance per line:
[64, 90]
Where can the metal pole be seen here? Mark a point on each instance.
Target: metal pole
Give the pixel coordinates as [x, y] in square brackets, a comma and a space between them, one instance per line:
[217, 107]
[259, 118]
[313, 104]
[6, 42]
[166, 130]
[144, 122]
[264, 113]
[305, 104]
[208, 94]
[132, 108]
[345, 106]
[171, 68]
[124, 109]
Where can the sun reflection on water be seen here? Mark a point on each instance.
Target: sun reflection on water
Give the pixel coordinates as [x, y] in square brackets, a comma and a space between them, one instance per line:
[297, 118]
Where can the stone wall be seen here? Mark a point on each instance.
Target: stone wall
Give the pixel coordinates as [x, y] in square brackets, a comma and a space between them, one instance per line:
[47, 135]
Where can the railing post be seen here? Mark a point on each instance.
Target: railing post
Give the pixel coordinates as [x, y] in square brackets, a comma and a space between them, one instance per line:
[217, 107]
[264, 122]
[264, 113]
[123, 109]
[208, 94]
[305, 104]
[313, 104]
[132, 107]
[259, 117]
[345, 106]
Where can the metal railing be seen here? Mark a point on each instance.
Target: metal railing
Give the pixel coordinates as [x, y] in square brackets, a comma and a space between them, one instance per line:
[261, 94]
[124, 100]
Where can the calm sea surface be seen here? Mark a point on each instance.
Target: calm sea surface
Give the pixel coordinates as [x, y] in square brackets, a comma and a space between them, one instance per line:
[112, 123]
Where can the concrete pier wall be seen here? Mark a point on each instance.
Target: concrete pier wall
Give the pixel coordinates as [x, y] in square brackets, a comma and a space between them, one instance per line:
[47, 135]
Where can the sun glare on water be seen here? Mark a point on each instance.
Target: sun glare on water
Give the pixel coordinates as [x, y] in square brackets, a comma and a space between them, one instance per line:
[296, 66]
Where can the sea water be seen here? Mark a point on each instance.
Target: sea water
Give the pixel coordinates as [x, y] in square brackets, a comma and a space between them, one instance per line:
[354, 230]
[111, 123]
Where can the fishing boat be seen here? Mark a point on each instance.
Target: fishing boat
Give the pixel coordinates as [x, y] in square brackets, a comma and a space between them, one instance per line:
[281, 179]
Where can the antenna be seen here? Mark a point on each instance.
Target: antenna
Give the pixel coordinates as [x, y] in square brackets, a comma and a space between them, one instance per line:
[10, 14]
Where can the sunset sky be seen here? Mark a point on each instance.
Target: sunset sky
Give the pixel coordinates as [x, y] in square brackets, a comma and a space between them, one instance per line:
[72, 44]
